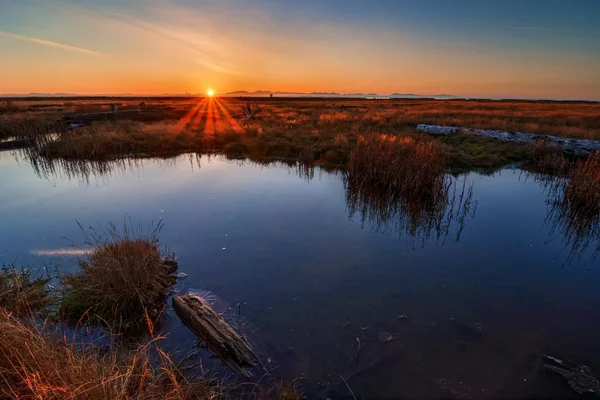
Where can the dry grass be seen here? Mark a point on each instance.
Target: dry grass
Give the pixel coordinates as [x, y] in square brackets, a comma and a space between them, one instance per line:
[37, 364]
[123, 279]
[21, 293]
[324, 130]
[400, 184]
[27, 125]
[583, 189]
[414, 168]
[574, 200]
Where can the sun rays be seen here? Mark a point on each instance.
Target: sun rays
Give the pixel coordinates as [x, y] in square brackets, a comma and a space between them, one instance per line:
[213, 115]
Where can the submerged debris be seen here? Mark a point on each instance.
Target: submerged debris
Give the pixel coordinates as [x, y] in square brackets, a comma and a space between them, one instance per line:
[218, 335]
[579, 377]
[385, 337]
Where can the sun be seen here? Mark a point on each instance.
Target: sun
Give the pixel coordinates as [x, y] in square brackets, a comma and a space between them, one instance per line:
[210, 92]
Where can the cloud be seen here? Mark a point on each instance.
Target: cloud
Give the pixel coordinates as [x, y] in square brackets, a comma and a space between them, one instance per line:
[538, 28]
[218, 68]
[50, 44]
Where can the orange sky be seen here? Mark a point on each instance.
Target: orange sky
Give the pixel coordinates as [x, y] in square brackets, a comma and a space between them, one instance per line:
[174, 46]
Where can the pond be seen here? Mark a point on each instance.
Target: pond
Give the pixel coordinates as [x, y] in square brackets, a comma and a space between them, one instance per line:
[324, 285]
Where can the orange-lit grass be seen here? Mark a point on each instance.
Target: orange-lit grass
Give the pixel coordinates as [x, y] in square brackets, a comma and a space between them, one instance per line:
[123, 279]
[329, 128]
[187, 118]
[36, 363]
[228, 118]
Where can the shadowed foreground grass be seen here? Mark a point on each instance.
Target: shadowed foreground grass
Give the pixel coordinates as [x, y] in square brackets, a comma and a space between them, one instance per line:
[124, 278]
[21, 293]
[36, 363]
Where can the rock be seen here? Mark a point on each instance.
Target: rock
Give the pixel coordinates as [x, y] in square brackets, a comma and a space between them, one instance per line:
[385, 337]
[181, 275]
[579, 377]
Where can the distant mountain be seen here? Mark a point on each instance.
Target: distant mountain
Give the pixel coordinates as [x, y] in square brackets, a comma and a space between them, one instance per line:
[264, 93]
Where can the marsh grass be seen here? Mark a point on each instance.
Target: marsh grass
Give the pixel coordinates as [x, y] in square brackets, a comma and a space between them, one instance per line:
[124, 278]
[40, 363]
[400, 184]
[574, 206]
[22, 293]
[414, 168]
[287, 127]
[27, 125]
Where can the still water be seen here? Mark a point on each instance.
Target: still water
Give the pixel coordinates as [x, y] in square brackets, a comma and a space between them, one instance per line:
[323, 293]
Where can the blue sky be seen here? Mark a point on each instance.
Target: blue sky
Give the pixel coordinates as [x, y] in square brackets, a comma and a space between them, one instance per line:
[531, 49]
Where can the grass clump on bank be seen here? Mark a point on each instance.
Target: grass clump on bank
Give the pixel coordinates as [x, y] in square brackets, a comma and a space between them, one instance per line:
[21, 293]
[36, 364]
[400, 184]
[124, 279]
[574, 199]
[583, 189]
[399, 164]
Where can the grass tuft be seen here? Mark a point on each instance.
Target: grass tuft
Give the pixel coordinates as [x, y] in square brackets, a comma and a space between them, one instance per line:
[124, 277]
[400, 183]
[21, 293]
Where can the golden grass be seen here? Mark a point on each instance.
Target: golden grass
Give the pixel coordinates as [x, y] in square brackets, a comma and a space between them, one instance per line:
[400, 184]
[291, 129]
[123, 279]
[574, 200]
[21, 293]
[583, 188]
[412, 167]
[37, 364]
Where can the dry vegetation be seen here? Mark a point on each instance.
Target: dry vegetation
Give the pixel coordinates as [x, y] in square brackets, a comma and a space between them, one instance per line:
[308, 130]
[124, 283]
[37, 363]
[574, 201]
[124, 279]
[398, 183]
[21, 293]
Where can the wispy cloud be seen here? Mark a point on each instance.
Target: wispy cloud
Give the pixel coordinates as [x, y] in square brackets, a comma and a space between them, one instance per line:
[218, 68]
[50, 44]
[538, 28]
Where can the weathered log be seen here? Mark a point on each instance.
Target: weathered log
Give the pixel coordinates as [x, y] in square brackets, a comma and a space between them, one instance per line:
[580, 147]
[218, 335]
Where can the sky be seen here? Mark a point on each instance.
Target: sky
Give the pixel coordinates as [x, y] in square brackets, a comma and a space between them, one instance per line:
[475, 48]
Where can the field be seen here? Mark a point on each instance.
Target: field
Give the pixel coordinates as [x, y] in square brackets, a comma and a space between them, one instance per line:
[313, 131]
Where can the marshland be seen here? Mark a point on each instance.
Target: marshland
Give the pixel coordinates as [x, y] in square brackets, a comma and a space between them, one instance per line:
[358, 256]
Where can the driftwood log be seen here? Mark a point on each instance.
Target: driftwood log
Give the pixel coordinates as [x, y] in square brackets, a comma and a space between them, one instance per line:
[218, 335]
[580, 147]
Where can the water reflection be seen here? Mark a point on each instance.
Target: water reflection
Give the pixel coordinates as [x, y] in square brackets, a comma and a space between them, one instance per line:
[570, 221]
[579, 228]
[85, 171]
[442, 216]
